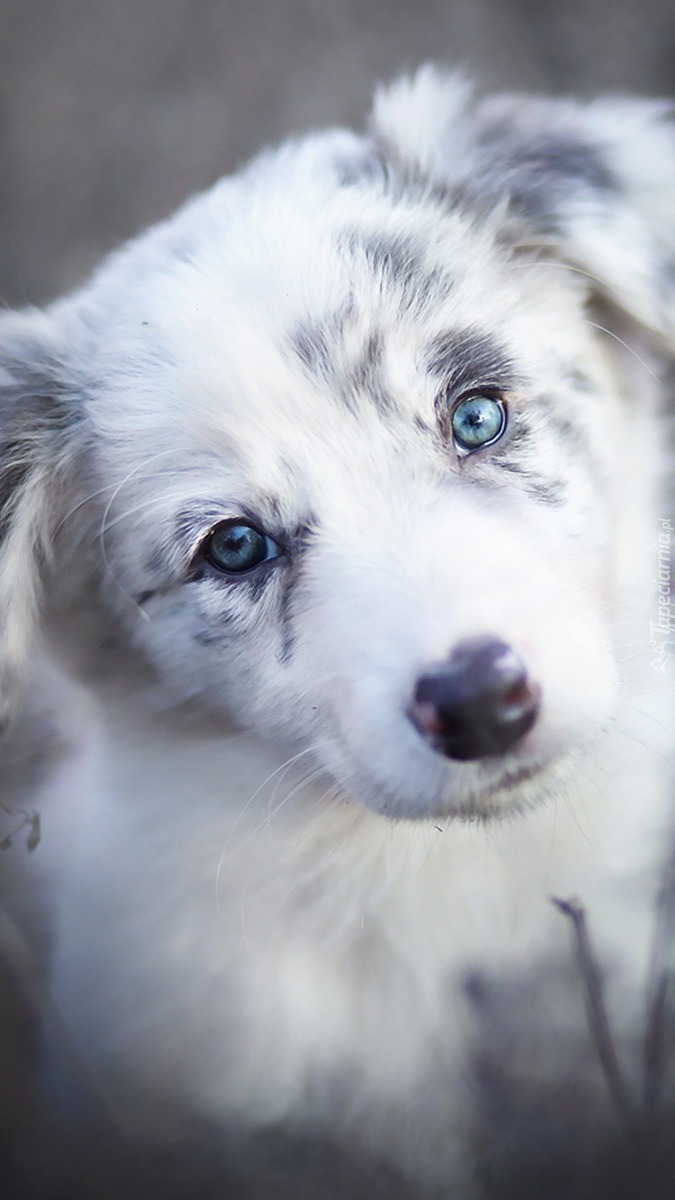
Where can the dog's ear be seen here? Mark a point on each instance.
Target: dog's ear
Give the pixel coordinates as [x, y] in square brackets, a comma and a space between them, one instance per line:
[594, 182]
[37, 416]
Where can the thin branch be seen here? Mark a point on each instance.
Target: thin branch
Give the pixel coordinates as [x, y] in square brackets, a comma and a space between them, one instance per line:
[660, 985]
[596, 1010]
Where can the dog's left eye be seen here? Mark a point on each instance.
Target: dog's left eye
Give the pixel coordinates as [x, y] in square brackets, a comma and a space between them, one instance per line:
[478, 420]
[235, 547]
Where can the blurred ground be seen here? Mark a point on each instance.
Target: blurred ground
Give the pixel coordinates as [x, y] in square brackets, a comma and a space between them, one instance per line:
[112, 112]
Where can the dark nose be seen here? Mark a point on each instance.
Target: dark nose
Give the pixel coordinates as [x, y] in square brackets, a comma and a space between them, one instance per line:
[479, 702]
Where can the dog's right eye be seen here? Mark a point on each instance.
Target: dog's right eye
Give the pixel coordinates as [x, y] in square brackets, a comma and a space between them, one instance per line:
[478, 420]
[235, 547]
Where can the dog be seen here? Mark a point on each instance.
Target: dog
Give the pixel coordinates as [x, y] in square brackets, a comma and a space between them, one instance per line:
[333, 509]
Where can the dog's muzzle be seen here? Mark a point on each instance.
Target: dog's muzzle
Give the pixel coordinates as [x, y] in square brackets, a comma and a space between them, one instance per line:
[479, 702]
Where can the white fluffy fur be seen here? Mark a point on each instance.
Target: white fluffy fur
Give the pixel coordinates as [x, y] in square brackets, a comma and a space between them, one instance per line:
[266, 902]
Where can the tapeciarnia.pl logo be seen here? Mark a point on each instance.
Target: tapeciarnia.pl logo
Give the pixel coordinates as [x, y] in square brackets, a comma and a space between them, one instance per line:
[662, 630]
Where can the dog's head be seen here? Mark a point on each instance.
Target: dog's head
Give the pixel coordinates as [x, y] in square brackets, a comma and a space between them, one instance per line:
[347, 450]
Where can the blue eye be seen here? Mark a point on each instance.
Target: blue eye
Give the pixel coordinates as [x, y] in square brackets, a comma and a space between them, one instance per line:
[478, 421]
[236, 547]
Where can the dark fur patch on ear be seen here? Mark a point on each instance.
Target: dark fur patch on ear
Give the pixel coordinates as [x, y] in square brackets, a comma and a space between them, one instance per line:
[590, 181]
[543, 171]
[36, 409]
[39, 441]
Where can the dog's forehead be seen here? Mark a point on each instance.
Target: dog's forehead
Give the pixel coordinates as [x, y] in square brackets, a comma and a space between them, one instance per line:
[344, 305]
[282, 311]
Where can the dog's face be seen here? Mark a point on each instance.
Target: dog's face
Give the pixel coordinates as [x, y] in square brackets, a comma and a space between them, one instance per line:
[356, 449]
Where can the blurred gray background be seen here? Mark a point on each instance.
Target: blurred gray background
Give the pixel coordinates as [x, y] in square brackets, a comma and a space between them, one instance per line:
[112, 111]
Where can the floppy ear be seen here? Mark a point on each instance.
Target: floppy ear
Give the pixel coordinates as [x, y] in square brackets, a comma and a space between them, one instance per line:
[594, 181]
[36, 423]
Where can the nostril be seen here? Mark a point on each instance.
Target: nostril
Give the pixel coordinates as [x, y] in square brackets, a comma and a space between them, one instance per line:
[433, 722]
[516, 698]
[480, 702]
[427, 718]
[515, 694]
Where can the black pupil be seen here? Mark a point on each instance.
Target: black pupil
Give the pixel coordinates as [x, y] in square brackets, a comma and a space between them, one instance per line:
[237, 548]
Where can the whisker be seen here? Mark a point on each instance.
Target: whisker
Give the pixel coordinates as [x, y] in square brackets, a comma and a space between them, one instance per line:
[280, 770]
[131, 512]
[303, 783]
[626, 346]
[104, 519]
[106, 488]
